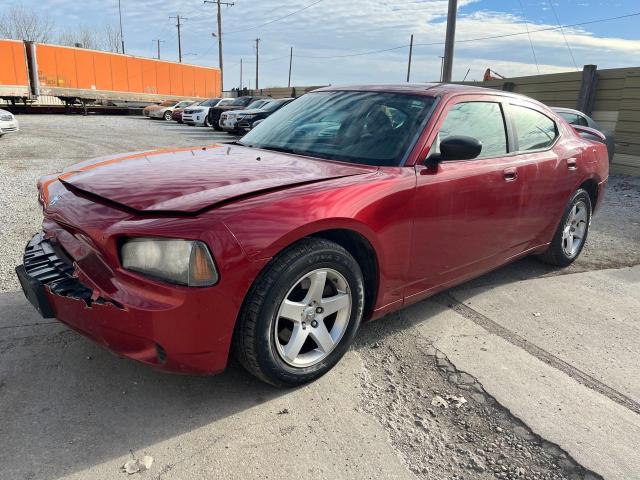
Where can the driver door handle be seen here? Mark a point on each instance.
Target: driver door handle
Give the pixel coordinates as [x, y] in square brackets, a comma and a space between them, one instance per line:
[572, 163]
[510, 174]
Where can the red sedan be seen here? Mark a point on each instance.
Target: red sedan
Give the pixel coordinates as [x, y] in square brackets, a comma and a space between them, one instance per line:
[344, 205]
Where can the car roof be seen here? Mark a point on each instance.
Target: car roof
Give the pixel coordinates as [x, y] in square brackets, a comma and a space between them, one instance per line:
[568, 110]
[429, 89]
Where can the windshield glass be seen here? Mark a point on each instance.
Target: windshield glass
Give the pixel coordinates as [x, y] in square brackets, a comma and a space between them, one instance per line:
[240, 101]
[210, 103]
[256, 104]
[273, 105]
[370, 128]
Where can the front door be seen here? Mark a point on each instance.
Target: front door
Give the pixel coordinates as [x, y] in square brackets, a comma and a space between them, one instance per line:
[465, 210]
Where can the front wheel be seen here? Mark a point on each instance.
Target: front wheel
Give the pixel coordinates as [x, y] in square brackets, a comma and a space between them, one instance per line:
[571, 235]
[301, 314]
[207, 123]
[167, 115]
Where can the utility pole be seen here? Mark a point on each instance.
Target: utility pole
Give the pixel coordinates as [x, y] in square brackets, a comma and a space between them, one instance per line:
[240, 74]
[290, 62]
[121, 36]
[228, 4]
[158, 42]
[178, 24]
[257, 60]
[410, 53]
[450, 41]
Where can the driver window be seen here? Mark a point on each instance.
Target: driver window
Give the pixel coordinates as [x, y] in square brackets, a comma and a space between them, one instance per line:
[481, 120]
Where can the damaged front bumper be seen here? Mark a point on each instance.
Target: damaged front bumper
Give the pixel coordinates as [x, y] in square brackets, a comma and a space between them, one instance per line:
[153, 324]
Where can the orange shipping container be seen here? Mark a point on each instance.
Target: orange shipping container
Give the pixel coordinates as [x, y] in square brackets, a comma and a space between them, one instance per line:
[93, 75]
[14, 78]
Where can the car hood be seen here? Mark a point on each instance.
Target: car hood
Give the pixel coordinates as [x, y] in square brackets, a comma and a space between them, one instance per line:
[191, 180]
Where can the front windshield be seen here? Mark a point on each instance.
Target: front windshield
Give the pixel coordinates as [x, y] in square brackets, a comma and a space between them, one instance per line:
[372, 128]
[273, 105]
[240, 102]
[210, 103]
[256, 104]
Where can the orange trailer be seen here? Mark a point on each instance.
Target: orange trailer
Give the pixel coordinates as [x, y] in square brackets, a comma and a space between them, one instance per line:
[14, 76]
[77, 73]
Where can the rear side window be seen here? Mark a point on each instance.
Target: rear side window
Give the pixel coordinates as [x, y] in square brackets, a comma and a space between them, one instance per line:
[533, 129]
[574, 118]
[481, 120]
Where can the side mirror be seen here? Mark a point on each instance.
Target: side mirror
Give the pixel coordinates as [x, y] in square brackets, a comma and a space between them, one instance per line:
[457, 147]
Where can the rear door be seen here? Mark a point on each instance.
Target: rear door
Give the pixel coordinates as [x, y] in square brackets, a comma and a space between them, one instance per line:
[466, 210]
[548, 169]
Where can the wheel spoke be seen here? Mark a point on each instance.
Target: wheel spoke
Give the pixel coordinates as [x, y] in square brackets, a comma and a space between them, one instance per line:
[318, 281]
[322, 337]
[292, 310]
[298, 337]
[334, 304]
[572, 215]
[570, 244]
[581, 215]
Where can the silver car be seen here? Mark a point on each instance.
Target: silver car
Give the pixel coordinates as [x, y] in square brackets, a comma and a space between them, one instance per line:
[8, 123]
[165, 112]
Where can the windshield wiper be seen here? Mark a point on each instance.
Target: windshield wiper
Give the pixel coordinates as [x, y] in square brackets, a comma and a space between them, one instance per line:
[277, 149]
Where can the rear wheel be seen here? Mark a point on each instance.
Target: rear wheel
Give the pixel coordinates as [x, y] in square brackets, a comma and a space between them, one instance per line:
[571, 235]
[301, 315]
[167, 115]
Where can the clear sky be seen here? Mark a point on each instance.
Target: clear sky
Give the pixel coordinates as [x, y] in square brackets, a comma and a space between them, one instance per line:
[337, 28]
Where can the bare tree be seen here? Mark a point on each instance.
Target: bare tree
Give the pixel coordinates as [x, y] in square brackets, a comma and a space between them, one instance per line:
[19, 23]
[106, 39]
[110, 38]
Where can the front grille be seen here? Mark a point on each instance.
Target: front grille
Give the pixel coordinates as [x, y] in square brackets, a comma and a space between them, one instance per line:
[9, 129]
[51, 267]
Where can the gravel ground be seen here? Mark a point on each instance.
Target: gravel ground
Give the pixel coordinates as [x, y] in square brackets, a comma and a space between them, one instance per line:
[48, 143]
[441, 420]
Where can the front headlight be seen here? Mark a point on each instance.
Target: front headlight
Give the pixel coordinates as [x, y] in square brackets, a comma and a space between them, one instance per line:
[185, 262]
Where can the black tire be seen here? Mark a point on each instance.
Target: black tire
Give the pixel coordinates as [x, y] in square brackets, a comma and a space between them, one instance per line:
[555, 253]
[253, 342]
[207, 123]
[167, 115]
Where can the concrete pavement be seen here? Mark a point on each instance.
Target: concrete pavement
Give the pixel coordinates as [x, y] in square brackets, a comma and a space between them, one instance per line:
[563, 357]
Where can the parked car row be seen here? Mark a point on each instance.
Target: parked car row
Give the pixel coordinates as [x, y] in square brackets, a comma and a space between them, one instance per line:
[232, 115]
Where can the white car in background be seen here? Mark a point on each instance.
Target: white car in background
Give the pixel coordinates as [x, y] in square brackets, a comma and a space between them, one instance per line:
[8, 123]
[197, 114]
[165, 112]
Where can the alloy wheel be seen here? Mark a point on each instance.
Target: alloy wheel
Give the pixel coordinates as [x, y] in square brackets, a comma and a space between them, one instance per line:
[312, 318]
[575, 229]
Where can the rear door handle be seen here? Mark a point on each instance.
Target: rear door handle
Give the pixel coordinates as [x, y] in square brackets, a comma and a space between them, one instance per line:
[510, 174]
[572, 163]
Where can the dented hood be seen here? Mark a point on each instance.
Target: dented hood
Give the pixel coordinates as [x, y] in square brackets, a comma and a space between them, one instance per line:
[190, 180]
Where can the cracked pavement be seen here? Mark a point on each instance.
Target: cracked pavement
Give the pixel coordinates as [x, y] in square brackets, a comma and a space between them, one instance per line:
[545, 359]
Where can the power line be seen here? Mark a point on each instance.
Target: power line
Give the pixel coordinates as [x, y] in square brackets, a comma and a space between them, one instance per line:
[563, 35]
[467, 40]
[526, 25]
[274, 20]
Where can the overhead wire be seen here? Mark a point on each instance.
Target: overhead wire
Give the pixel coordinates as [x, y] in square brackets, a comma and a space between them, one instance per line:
[563, 35]
[526, 26]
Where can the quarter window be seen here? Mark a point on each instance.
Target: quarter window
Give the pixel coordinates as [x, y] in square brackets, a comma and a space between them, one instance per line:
[533, 129]
[481, 120]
